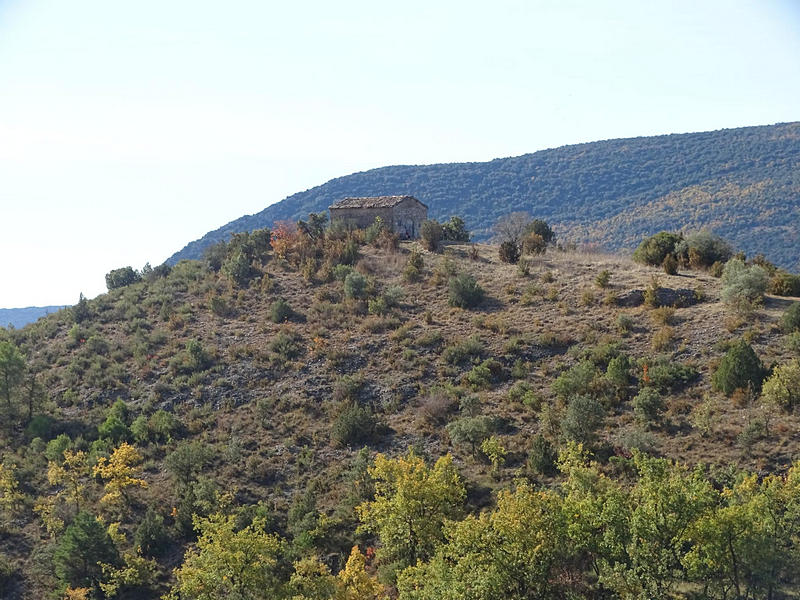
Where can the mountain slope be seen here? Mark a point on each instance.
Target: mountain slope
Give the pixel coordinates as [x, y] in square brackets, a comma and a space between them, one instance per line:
[19, 317]
[743, 183]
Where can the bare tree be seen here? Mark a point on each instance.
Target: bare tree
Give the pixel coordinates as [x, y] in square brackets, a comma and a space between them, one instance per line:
[512, 228]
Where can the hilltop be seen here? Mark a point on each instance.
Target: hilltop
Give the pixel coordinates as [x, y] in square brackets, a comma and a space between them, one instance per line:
[741, 183]
[249, 386]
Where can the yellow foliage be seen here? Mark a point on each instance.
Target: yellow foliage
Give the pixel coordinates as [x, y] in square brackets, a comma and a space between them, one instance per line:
[120, 472]
[76, 593]
[356, 583]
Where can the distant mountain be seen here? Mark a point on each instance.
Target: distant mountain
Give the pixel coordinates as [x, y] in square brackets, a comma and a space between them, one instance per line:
[743, 183]
[19, 317]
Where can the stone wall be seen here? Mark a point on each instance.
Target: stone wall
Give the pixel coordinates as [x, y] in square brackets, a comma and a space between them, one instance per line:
[404, 218]
[361, 217]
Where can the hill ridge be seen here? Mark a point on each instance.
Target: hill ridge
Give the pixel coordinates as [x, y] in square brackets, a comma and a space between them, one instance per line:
[579, 185]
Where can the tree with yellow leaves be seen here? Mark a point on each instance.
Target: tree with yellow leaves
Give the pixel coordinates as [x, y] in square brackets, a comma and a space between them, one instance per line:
[120, 472]
[354, 581]
[228, 562]
[411, 504]
[72, 474]
[10, 497]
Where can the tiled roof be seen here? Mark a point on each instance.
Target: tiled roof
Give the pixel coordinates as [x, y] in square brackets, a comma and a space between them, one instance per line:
[371, 202]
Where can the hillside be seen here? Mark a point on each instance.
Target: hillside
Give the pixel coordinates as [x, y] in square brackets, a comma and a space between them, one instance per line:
[743, 183]
[247, 390]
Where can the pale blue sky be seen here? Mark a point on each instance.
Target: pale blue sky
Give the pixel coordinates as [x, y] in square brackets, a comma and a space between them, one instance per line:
[130, 128]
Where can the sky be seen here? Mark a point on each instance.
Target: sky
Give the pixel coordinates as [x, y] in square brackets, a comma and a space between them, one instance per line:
[128, 129]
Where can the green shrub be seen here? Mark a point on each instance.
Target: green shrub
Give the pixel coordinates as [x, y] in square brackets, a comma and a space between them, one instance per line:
[464, 291]
[582, 419]
[115, 429]
[354, 425]
[340, 272]
[542, 229]
[740, 368]
[603, 278]
[791, 318]
[455, 230]
[653, 250]
[285, 346]
[542, 456]
[482, 376]
[280, 311]
[151, 537]
[648, 405]
[743, 286]
[670, 264]
[575, 381]
[665, 375]
[430, 233]
[121, 277]
[220, 306]
[508, 252]
[239, 268]
[80, 550]
[702, 249]
[783, 386]
[377, 306]
[624, 323]
[460, 352]
[354, 285]
[784, 284]
[470, 430]
[618, 371]
[40, 426]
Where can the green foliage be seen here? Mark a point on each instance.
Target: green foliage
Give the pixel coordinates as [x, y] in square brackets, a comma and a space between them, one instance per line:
[84, 545]
[464, 291]
[482, 376]
[666, 375]
[12, 370]
[151, 537]
[653, 250]
[514, 551]
[354, 425]
[743, 286]
[603, 278]
[81, 311]
[412, 502]
[508, 252]
[782, 388]
[431, 233]
[470, 430]
[229, 563]
[702, 249]
[460, 352]
[648, 406]
[280, 311]
[542, 456]
[121, 277]
[782, 283]
[618, 371]
[583, 418]
[575, 381]
[740, 368]
[455, 230]
[790, 321]
[355, 285]
[542, 229]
